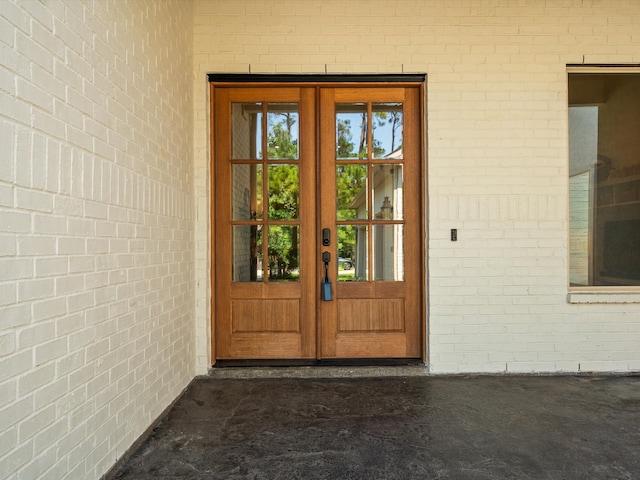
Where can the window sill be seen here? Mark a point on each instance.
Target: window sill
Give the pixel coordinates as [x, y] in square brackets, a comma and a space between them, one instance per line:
[604, 297]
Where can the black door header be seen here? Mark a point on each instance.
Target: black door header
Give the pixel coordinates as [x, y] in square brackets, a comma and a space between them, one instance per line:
[315, 78]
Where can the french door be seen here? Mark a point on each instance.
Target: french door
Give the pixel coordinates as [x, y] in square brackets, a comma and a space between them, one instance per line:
[318, 209]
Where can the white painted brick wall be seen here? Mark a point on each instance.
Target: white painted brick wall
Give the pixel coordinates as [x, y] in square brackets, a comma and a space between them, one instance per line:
[497, 157]
[98, 248]
[97, 290]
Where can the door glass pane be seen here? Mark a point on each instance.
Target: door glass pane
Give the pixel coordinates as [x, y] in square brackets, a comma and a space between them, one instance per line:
[388, 191]
[284, 248]
[388, 253]
[351, 130]
[247, 192]
[246, 131]
[351, 185]
[387, 130]
[353, 263]
[247, 253]
[284, 192]
[282, 134]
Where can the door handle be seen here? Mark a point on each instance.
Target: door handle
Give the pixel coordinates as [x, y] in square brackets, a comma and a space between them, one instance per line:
[327, 294]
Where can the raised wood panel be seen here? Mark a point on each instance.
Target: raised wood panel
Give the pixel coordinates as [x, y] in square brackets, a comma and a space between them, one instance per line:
[372, 345]
[263, 346]
[366, 315]
[254, 316]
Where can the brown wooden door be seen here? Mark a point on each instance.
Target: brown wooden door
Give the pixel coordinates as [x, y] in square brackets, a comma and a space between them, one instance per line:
[264, 222]
[289, 162]
[370, 197]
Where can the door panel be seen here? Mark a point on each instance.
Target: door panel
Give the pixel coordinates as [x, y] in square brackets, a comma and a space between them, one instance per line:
[378, 311]
[289, 162]
[265, 227]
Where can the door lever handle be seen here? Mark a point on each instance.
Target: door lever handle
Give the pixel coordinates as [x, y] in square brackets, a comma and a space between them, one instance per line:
[327, 294]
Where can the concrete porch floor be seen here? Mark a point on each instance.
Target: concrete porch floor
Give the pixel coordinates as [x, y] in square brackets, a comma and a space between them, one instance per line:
[310, 425]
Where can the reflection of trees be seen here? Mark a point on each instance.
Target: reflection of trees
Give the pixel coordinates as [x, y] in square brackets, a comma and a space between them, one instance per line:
[395, 121]
[283, 250]
[280, 142]
[346, 145]
[351, 178]
[283, 193]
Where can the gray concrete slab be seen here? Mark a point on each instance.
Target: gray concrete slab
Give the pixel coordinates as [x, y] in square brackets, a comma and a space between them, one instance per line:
[409, 427]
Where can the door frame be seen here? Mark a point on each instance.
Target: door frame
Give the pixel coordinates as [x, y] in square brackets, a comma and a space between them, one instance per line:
[337, 81]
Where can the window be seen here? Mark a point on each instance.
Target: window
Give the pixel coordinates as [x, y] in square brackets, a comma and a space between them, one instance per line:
[604, 179]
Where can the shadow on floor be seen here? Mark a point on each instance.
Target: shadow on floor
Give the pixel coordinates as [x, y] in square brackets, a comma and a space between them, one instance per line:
[495, 427]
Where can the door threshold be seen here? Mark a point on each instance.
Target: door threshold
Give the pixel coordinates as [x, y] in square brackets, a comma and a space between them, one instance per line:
[352, 368]
[333, 362]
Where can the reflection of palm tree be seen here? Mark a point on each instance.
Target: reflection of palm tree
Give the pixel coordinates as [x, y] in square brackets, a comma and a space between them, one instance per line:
[382, 118]
[362, 153]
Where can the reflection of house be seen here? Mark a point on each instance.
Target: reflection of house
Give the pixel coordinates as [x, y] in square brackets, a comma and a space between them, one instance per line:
[388, 204]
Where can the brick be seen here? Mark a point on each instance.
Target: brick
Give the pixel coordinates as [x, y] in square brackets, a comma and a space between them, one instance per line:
[15, 364]
[7, 134]
[29, 427]
[47, 309]
[7, 343]
[15, 222]
[36, 379]
[15, 459]
[7, 294]
[36, 245]
[28, 199]
[15, 269]
[51, 350]
[34, 95]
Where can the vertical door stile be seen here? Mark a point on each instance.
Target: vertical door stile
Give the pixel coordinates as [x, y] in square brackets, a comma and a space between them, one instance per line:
[327, 207]
[308, 227]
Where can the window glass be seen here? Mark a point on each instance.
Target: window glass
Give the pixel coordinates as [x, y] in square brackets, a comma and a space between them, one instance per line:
[282, 133]
[387, 130]
[387, 191]
[283, 248]
[388, 253]
[284, 192]
[246, 132]
[247, 192]
[604, 179]
[351, 185]
[353, 253]
[351, 131]
[247, 253]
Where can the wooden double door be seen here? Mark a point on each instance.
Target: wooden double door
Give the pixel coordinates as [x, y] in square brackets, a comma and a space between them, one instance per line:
[317, 235]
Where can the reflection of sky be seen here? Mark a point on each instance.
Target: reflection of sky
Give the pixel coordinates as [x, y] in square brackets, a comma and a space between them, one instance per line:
[274, 118]
[381, 134]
